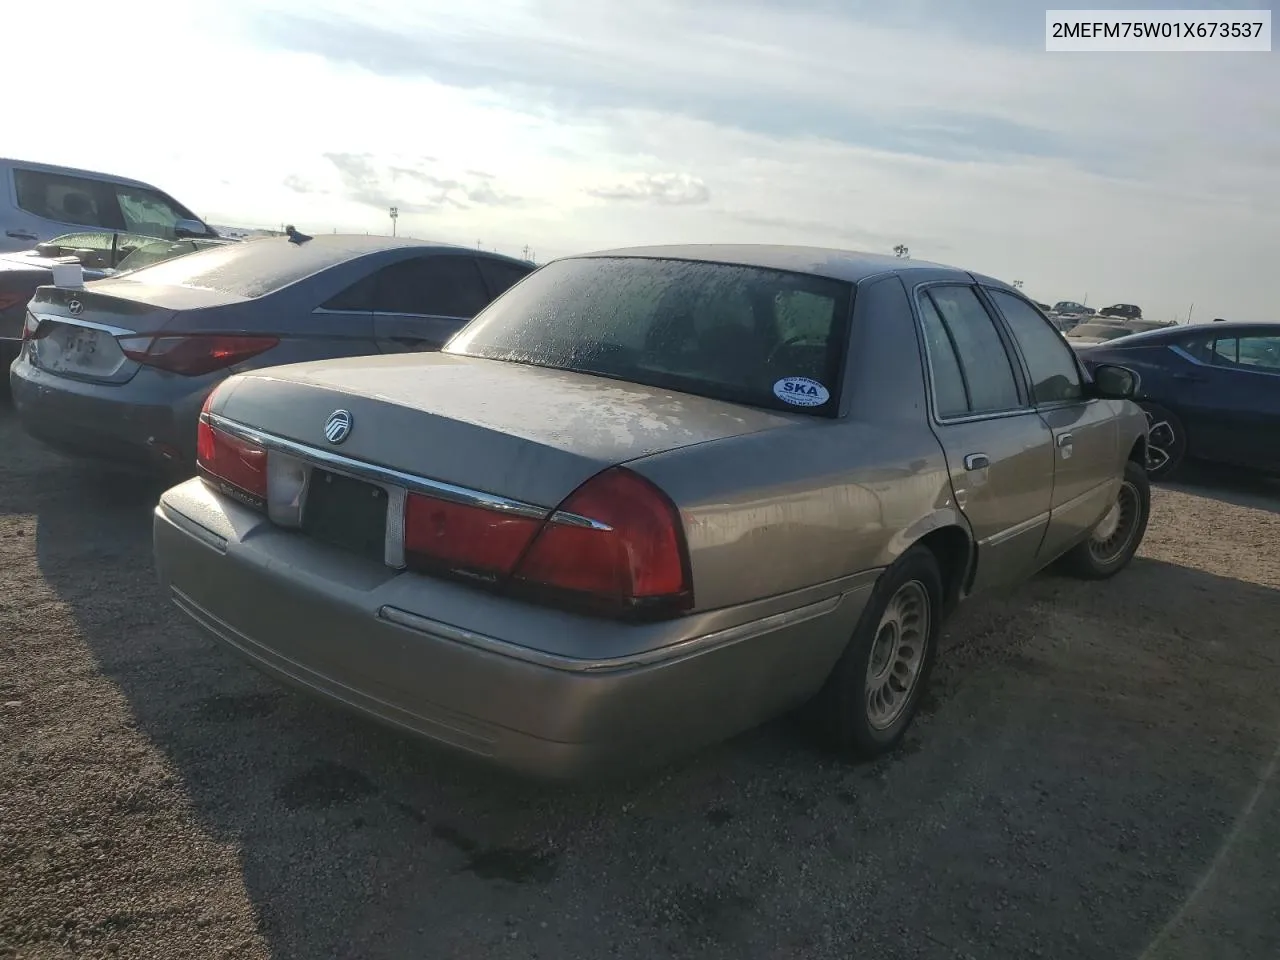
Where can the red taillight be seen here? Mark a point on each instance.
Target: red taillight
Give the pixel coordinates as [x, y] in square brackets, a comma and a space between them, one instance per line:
[632, 555]
[440, 535]
[195, 355]
[615, 546]
[29, 326]
[235, 466]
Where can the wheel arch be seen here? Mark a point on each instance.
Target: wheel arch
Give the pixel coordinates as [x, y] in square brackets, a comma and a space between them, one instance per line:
[1138, 451]
[953, 547]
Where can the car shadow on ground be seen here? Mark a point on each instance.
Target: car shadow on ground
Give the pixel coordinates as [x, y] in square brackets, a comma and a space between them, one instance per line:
[1244, 488]
[1061, 794]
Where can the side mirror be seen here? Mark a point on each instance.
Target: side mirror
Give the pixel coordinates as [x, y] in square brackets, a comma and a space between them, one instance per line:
[1112, 382]
[186, 229]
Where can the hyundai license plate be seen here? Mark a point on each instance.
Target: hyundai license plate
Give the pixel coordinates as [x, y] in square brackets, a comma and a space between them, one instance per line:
[76, 349]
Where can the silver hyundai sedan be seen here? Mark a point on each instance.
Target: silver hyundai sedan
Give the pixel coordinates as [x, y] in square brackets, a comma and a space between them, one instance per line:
[649, 498]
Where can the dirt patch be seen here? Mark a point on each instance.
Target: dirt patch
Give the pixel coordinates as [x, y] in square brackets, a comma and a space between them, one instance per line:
[1089, 780]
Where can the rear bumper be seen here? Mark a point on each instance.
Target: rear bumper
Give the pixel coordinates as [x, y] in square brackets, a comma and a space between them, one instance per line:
[485, 674]
[122, 424]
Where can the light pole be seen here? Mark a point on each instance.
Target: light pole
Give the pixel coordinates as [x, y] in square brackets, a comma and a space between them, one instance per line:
[395, 212]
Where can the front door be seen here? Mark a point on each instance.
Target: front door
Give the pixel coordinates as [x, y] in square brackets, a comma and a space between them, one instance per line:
[999, 451]
[1085, 432]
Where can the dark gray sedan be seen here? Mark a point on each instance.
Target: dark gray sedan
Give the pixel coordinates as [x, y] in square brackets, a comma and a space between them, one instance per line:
[118, 370]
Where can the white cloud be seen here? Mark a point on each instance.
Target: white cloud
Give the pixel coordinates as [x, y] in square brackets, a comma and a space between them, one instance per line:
[667, 189]
[570, 125]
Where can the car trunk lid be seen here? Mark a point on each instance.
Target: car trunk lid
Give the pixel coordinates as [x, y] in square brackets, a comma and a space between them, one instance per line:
[527, 433]
[77, 329]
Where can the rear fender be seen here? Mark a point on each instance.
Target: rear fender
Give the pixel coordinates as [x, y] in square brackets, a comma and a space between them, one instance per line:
[947, 533]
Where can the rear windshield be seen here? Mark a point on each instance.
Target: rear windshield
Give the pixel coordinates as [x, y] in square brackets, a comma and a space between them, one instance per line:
[1099, 331]
[251, 268]
[766, 338]
[157, 251]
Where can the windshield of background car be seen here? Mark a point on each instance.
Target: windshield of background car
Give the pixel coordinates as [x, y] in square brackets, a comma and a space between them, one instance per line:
[1098, 331]
[253, 268]
[744, 334]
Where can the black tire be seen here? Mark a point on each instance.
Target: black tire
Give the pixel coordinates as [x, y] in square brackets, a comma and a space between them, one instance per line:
[1166, 442]
[842, 712]
[1099, 559]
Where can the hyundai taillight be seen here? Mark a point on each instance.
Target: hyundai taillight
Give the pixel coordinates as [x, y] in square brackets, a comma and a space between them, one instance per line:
[234, 465]
[29, 326]
[615, 545]
[195, 355]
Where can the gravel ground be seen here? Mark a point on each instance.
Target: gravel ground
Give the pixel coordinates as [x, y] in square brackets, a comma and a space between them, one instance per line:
[1094, 777]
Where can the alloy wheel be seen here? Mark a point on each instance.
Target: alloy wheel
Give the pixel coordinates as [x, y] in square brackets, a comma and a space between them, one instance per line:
[1115, 532]
[897, 655]
[1162, 439]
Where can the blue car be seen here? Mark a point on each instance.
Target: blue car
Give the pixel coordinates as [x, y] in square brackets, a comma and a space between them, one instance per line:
[1211, 392]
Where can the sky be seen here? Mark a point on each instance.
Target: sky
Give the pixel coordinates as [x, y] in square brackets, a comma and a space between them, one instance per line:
[571, 125]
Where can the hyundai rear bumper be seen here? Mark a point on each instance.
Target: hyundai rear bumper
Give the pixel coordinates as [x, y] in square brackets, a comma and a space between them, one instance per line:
[128, 425]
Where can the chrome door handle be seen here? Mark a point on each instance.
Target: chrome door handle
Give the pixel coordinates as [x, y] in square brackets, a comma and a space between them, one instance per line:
[977, 461]
[1064, 439]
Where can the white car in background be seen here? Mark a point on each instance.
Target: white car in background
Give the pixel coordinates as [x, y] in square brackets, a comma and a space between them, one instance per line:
[39, 202]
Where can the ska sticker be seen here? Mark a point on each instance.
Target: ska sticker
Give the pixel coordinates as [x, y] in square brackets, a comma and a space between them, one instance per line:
[801, 392]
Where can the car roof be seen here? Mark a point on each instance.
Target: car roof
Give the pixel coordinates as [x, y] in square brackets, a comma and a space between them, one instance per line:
[75, 172]
[341, 246]
[267, 264]
[1225, 328]
[848, 265]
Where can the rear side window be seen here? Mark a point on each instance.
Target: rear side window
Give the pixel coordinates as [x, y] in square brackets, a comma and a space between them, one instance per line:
[360, 297]
[436, 286]
[989, 383]
[88, 203]
[1259, 353]
[500, 275]
[739, 333]
[1054, 376]
[1249, 353]
[949, 390]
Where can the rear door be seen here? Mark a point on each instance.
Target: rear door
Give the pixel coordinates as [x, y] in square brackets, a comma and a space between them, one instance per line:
[421, 302]
[1230, 397]
[999, 451]
[1085, 432]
